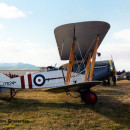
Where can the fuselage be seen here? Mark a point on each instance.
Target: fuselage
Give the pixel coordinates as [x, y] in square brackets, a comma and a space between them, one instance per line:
[103, 70]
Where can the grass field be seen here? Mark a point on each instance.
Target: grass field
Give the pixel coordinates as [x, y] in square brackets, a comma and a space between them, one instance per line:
[36, 109]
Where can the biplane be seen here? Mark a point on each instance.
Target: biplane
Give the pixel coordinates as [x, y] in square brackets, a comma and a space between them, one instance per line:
[76, 42]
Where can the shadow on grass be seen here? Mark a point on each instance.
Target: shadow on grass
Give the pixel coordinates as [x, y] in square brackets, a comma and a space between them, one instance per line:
[107, 106]
[19, 105]
[113, 109]
[110, 92]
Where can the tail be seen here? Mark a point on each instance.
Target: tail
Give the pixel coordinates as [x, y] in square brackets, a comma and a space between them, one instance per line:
[3, 77]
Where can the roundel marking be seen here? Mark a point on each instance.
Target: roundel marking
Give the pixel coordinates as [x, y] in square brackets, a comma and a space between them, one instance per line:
[39, 80]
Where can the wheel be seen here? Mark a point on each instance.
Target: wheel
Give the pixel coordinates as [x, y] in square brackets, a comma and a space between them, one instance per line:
[104, 83]
[109, 83]
[83, 93]
[90, 98]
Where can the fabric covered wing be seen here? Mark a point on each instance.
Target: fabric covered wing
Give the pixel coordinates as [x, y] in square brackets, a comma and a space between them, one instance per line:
[85, 34]
[74, 87]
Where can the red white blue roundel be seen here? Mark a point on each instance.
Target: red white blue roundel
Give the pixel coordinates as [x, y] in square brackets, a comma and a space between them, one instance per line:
[39, 80]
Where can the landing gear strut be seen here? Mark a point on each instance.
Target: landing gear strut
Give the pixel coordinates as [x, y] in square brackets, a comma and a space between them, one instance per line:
[12, 93]
[90, 98]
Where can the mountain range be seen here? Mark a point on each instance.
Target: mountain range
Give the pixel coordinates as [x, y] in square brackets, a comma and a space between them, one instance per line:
[16, 65]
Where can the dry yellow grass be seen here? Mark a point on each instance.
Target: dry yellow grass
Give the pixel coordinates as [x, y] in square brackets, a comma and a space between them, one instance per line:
[36, 109]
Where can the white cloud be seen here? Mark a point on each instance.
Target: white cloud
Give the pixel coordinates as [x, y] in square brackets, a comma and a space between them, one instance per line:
[9, 12]
[37, 54]
[124, 34]
[9, 38]
[28, 52]
[29, 12]
[119, 52]
[1, 26]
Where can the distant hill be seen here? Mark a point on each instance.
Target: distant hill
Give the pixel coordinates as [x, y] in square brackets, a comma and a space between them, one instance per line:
[16, 65]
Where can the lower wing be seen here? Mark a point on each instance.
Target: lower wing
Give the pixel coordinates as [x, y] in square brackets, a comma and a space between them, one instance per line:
[74, 87]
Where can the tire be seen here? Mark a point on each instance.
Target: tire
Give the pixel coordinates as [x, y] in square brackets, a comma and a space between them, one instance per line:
[104, 83]
[89, 98]
[83, 93]
[108, 83]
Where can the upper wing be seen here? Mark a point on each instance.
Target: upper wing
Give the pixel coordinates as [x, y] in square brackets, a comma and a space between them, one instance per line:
[84, 33]
[74, 87]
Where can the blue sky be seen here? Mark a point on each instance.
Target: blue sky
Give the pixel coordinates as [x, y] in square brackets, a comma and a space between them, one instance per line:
[27, 29]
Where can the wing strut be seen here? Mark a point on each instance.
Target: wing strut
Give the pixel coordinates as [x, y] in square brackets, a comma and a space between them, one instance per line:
[70, 64]
[94, 58]
[88, 66]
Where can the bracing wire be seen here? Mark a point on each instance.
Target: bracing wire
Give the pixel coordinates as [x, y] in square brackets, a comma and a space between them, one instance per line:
[80, 52]
[85, 57]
